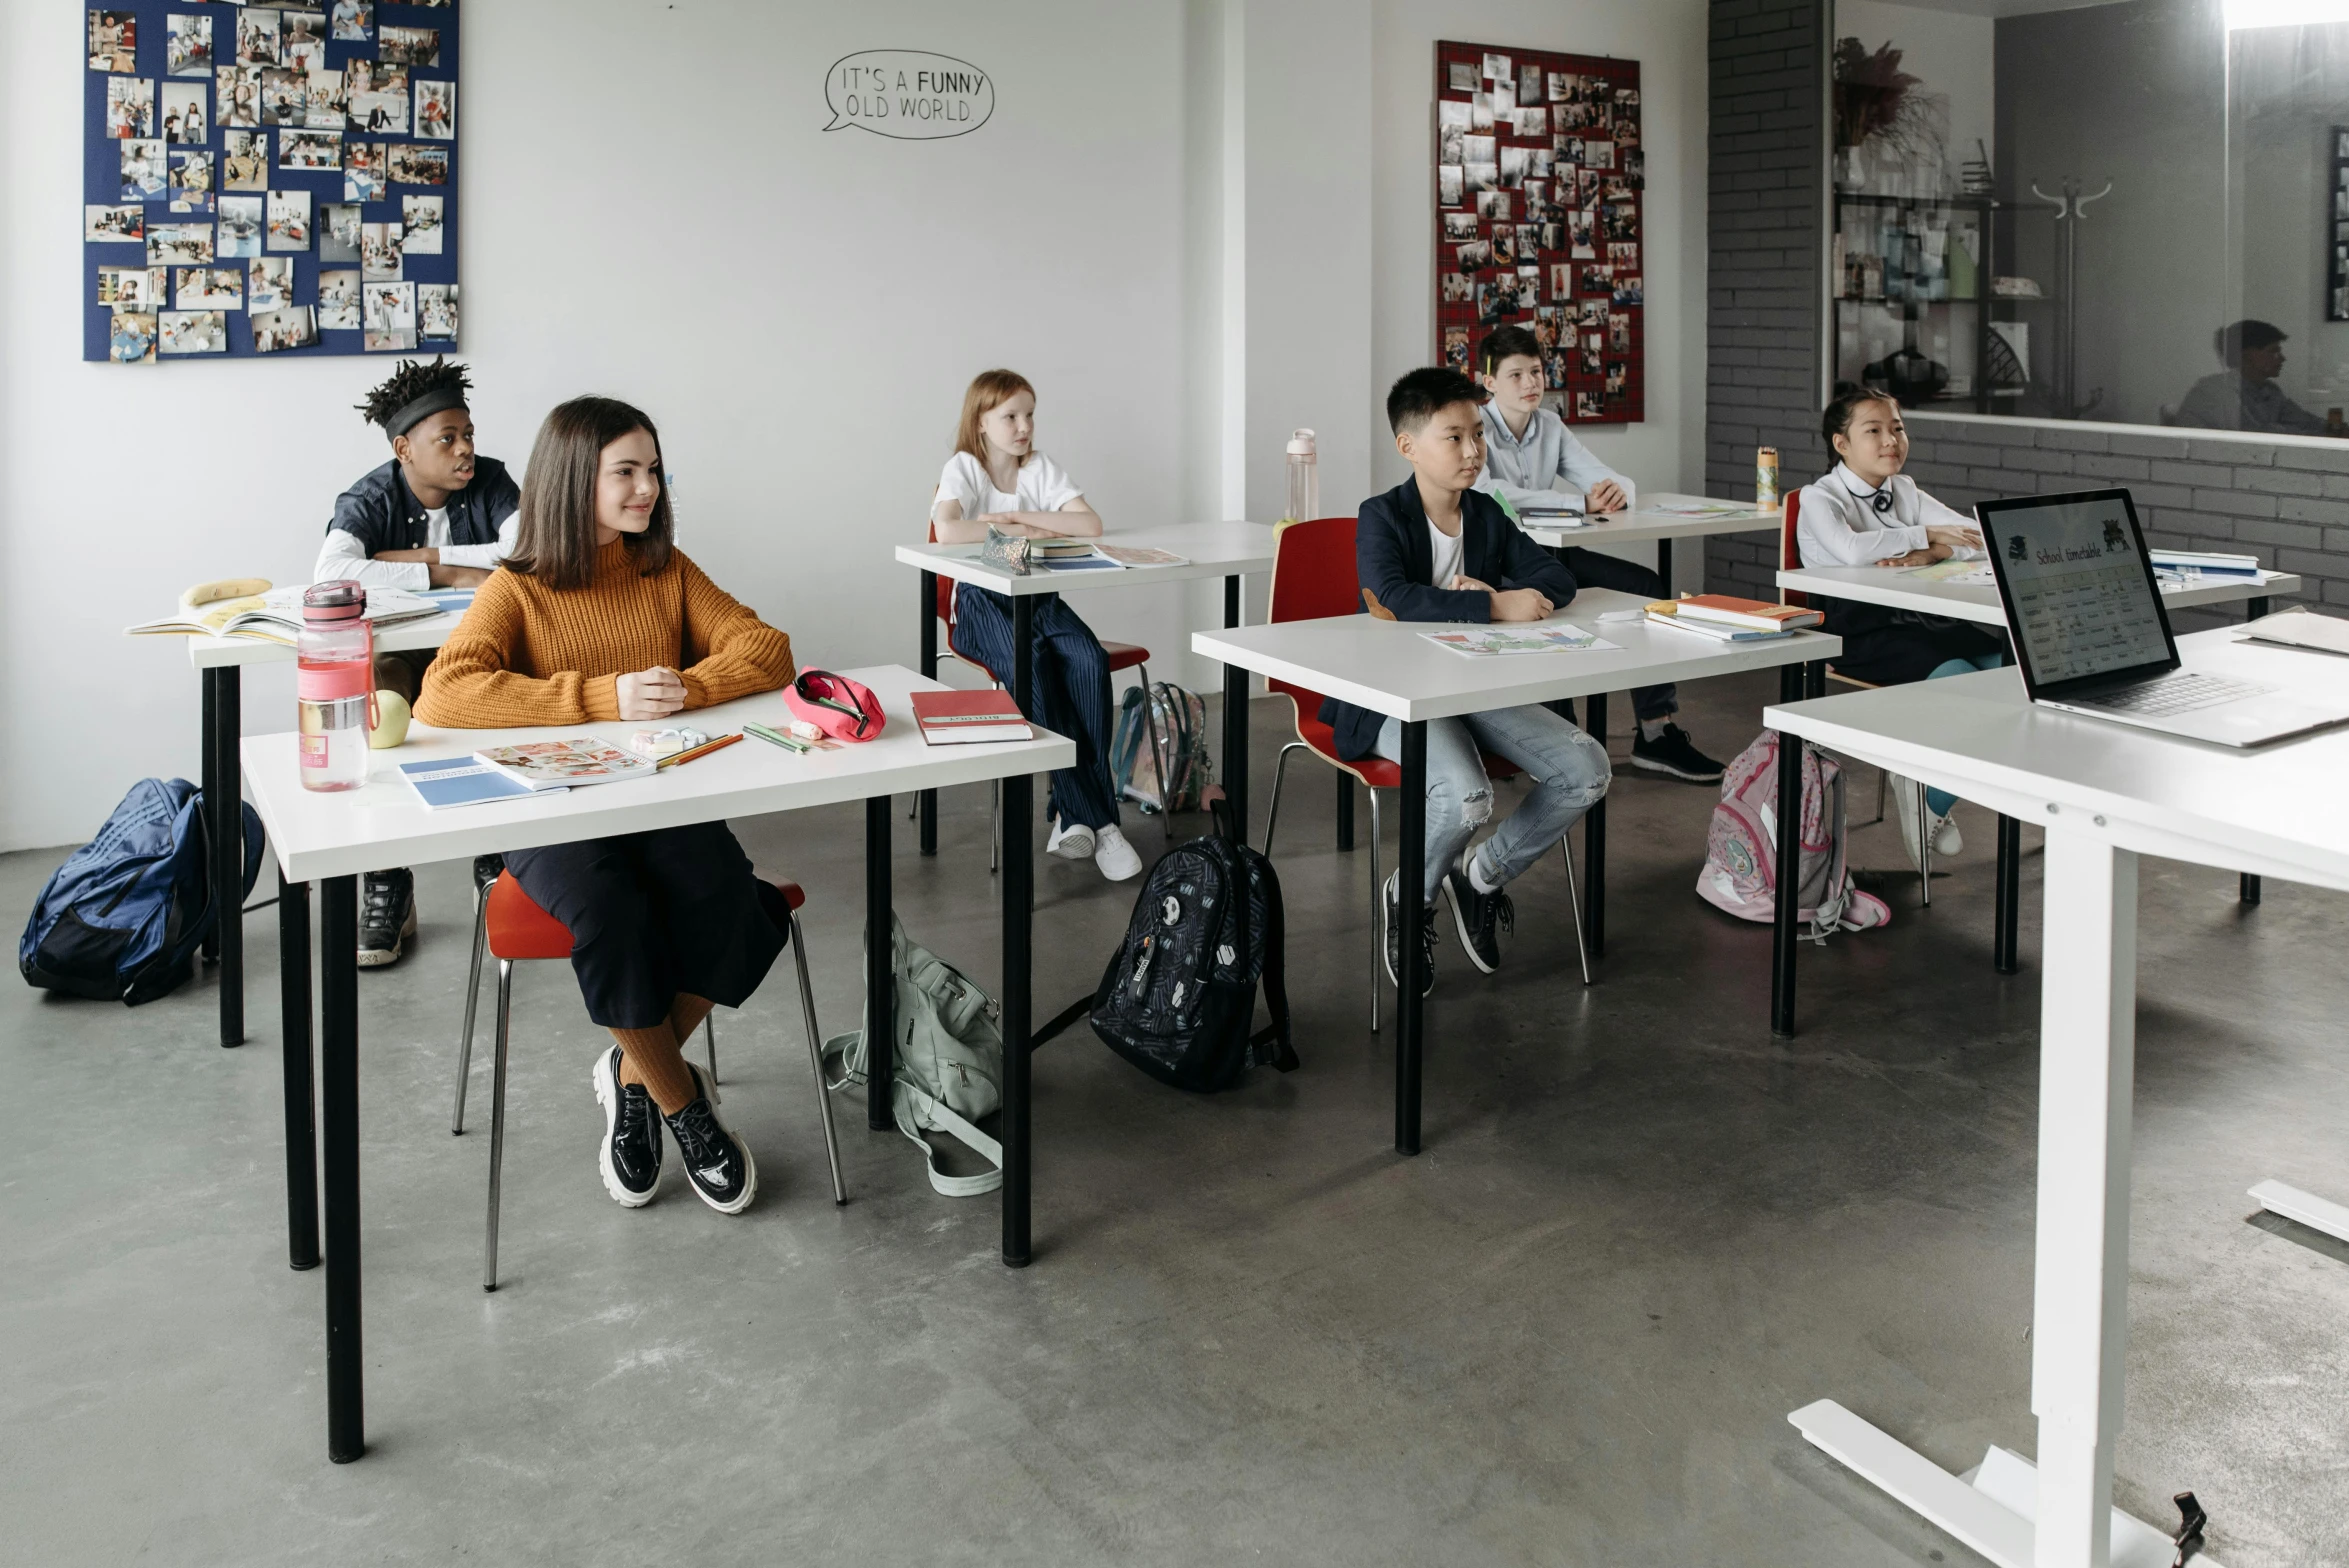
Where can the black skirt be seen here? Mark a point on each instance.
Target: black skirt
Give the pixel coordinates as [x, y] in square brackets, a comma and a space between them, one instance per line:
[1888, 647]
[655, 914]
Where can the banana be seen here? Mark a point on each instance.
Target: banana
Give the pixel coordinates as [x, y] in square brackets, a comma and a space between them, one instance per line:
[223, 588]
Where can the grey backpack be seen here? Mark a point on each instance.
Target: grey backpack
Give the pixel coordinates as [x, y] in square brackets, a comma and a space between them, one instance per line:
[947, 1067]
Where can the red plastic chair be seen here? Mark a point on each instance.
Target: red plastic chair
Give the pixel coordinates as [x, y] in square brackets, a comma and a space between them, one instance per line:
[1314, 577]
[513, 928]
[1122, 656]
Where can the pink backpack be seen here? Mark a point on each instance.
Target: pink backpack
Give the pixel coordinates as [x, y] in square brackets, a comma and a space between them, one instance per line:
[1741, 849]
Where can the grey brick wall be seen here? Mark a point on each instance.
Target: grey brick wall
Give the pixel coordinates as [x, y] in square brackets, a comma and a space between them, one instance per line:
[1768, 59]
[2288, 505]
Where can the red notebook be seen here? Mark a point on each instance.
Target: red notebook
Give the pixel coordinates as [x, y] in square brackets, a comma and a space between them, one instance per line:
[1749, 614]
[949, 718]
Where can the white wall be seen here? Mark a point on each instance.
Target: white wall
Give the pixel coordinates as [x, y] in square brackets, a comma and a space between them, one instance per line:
[1667, 37]
[1194, 223]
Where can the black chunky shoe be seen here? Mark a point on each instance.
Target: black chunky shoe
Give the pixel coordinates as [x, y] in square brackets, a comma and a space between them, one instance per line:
[387, 916]
[1674, 753]
[630, 1157]
[715, 1161]
[1481, 917]
[1393, 944]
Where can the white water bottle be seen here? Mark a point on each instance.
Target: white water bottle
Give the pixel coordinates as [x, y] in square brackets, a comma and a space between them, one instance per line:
[1304, 479]
[334, 683]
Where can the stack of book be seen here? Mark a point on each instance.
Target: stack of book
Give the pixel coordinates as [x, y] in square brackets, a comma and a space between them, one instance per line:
[2209, 563]
[1727, 619]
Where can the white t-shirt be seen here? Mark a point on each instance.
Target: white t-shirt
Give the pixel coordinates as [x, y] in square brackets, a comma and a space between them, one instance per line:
[1447, 554]
[1042, 486]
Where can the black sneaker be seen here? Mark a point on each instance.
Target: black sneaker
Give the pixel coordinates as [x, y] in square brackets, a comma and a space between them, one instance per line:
[1392, 932]
[1482, 917]
[485, 871]
[630, 1157]
[1672, 752]
[715, 1161]
[387, 916]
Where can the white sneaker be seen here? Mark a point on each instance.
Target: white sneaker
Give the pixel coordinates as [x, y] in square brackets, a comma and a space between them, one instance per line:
[1946, 838]
[1069, 843]
[1114, 855]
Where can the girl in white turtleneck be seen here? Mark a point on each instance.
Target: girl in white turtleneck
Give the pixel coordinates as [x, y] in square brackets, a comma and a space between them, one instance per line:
[1868, 513]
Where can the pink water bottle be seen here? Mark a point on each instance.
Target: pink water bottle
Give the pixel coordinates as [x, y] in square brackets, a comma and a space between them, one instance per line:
[335, 685]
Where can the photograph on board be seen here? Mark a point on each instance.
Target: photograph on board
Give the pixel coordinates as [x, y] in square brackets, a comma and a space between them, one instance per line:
[285, 95]
[145, 174]
[185, 121]
[125, 288]
[379, 113]
[338, 301]
[1448, 185]
[131, 337]
[436, 310]
[191, 180]
[1459, 226]
[380, 251]
[436, 110]
[257, 37]
[309, 150]
[209, 288]
[194, 332]
[112, 225]
[269, 283]
[421, 217]
[338, 232]
[290, 326]
[240, 228]
[352, 20]
[187, 48]
[1456, 348]
[130, 107]
[364, 176]
[289, 220]
[114, 41]
[237, 91]
[244, 160]
[414, 165]
[179, 245]
[324, 105]
[1462, 77]
[408, 46]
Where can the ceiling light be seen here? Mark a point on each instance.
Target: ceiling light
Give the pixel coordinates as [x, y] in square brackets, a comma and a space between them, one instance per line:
[2284, 13]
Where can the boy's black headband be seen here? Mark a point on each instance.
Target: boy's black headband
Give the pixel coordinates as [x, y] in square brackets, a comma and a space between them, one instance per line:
[410, 415]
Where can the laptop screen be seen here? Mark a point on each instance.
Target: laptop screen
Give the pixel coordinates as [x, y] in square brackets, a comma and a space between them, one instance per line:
[2080, 597]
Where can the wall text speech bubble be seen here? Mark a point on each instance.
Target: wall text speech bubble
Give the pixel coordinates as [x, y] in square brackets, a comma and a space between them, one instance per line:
[909, 94]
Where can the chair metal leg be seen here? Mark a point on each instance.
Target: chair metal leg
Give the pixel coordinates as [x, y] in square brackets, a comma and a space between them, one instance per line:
[497, 1121]
[1924, 848]
[1574, 902]
[709, 1033]
[815, 1057]
[1280, 771]
[1378, 911]
[1883, 779]
[1160, 759]
[472, 1000]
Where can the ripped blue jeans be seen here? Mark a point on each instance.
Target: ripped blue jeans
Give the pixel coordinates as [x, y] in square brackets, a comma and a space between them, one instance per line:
[1568, 769]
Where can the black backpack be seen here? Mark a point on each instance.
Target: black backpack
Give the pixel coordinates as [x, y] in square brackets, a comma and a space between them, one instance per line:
[1179, 996]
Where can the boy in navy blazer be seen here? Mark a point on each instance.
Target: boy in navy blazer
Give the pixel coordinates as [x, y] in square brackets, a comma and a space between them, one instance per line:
[1436, 549]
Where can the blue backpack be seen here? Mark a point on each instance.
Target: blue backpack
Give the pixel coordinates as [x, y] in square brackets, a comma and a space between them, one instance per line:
[122, 917]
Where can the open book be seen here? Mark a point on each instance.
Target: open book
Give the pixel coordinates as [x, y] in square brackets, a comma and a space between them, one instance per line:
[565, 764]
[276, 616]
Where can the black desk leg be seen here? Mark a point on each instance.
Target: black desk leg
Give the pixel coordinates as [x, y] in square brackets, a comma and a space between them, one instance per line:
[338, 1077]
[1594, 841]
[225, 819]
[1664, 564]
[1788, 859]
[208, 775]
[301, 1131]
[1019, 870]
[2253, 609]
[880, 987]
[1815, 678]
[1410, 911]
[1345, 808]
[2248, 888]
[929, 667]
[2010, 896]
[1235, 726]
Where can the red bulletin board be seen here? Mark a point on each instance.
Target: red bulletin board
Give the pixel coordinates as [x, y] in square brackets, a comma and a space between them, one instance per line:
[1539, 176]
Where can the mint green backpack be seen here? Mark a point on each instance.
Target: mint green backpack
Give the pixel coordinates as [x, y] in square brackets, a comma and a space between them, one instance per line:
[947, 1066]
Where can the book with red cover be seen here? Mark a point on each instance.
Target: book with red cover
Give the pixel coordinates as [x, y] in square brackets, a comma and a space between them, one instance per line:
[1753, 614]
[949, 718]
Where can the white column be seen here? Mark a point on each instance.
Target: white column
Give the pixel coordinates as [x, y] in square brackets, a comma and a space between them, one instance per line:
[2080, 1314]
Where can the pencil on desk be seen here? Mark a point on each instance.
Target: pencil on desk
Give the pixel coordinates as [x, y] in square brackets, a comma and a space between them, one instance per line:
[702, 750]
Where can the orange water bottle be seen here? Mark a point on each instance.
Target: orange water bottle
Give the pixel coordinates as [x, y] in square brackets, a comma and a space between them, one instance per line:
[334, 685]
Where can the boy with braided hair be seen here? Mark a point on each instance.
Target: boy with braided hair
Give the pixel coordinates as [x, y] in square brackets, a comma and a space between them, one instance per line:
[437, 515]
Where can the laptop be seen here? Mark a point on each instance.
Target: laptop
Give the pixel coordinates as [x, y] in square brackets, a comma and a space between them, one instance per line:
[2093, 637]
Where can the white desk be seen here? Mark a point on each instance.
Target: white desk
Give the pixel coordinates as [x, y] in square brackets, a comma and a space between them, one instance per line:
[1978, 602]
[2106, 794]
[1229, 550]
[220, 662]
[334, 837]
[1647, 523]
[1388, 667]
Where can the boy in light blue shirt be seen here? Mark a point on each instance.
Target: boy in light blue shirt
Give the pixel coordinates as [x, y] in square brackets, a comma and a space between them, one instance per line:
[1528, 449]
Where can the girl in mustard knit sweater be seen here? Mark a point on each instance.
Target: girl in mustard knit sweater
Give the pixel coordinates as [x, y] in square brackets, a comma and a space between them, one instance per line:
[597, 617]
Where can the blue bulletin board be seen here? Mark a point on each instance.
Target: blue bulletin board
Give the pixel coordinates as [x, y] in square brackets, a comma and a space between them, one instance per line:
[269, 179]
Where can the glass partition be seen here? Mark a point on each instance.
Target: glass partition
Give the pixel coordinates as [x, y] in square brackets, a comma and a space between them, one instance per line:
[2134, 211]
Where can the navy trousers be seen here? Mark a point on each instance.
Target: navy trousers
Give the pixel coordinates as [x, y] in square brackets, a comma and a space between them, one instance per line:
[1071, 695]
[653, 914]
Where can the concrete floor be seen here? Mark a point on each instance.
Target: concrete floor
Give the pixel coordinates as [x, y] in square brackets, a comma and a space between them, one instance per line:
[1568, 1333]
